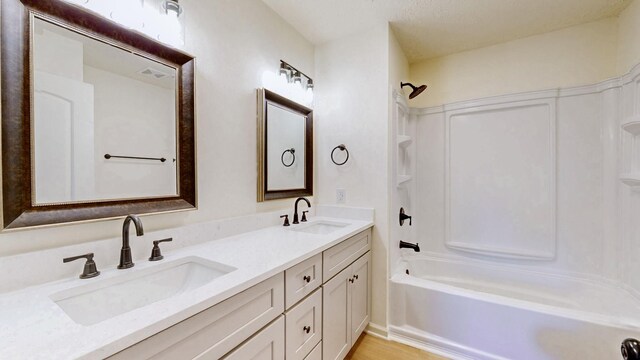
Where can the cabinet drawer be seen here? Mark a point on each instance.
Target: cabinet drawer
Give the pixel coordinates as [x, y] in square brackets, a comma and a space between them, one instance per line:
[217, 330]
[300, 280]
[342, 255]
[268, 344]
[304, 326]
[316, 353]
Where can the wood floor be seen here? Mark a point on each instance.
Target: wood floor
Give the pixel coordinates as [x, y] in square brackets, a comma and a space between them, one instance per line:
[373, 348]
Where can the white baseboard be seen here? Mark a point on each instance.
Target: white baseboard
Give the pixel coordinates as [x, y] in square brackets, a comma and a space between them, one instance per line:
[377, 331]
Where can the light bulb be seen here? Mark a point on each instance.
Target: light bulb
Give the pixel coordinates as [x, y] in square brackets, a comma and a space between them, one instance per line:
[170, 29]
[297, 79]
[128, 13]
[309, 96]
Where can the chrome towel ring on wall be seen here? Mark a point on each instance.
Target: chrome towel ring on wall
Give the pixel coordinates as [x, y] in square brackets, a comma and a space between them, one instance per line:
[293, 154]
[342, 148]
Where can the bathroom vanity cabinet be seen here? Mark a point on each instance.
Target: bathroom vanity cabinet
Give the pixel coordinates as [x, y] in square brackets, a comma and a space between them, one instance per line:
[314, 310]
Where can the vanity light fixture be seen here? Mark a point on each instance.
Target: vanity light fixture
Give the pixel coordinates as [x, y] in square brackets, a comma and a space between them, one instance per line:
[297, 79]
[289, 82]
[173, 6]
[159, 19]
[285, 71]
[296, 76]
[128, 13]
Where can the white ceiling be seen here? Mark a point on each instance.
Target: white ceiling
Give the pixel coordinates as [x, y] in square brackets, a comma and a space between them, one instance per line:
[432, 28]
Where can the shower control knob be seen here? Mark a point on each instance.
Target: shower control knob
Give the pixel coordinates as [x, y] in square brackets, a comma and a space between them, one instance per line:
[403, 216]
[630, 349]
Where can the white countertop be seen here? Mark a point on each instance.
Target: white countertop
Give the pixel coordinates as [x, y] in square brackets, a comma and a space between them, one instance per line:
[33, 326]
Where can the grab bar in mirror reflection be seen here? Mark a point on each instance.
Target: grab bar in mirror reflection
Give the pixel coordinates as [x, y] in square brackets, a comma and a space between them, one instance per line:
[109, 156]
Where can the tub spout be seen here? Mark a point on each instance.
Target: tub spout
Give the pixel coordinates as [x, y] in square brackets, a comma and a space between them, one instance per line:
[404, 244]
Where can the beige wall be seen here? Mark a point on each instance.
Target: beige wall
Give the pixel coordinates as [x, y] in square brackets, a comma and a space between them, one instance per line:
[234, 43]
[629, 38]
[578, 55]
[351, 109]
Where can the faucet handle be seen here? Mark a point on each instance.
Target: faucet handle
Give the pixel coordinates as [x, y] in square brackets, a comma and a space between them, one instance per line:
[286, 220]
[155, 252]
[304, 216]
[90, 269]
[403, 216]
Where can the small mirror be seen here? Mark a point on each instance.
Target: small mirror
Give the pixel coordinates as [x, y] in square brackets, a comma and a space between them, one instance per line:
[104, 124]
[285, 143]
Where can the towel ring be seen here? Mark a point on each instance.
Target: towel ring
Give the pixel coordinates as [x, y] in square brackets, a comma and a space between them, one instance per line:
[342, 148]
[292, 151]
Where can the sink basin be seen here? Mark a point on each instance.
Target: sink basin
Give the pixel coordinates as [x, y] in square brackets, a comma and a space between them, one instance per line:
[102, 300]
[320, 227]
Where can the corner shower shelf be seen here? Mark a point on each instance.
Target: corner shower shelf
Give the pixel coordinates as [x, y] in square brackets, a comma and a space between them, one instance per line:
[403, 179]
[632, 125]
[632, 180]
[404, 140]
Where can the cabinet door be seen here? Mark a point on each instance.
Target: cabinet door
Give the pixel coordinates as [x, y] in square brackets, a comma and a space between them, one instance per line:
[360, 289]
[336, 316]
[268, 344]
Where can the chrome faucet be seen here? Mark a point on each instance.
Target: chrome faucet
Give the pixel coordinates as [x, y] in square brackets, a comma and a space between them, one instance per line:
[295, 209]
[125, 252]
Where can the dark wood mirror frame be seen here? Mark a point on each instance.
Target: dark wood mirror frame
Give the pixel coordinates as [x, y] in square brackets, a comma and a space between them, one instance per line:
[18, 210]
[264, 97]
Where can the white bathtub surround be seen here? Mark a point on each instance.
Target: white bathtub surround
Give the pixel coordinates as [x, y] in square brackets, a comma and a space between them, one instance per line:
[560, 263]
[584, 240]
[500, 179]
[34, 326]
[481, 311]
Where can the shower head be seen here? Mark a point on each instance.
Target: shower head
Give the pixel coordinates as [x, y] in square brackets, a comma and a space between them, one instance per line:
[415, 91]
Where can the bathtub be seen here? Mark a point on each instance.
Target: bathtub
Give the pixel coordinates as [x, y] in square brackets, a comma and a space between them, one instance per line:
[467, 310]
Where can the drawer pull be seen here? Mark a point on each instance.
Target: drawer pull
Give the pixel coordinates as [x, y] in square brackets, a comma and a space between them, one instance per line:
[306, 329]
[307, 278]
[351, 280]
[355, 277]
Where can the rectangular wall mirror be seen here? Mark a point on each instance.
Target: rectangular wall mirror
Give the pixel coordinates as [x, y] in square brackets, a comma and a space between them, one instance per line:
[104, 120]
[285, 147]
[97, 121]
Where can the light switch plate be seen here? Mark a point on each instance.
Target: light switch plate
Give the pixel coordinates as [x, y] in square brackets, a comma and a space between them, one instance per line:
[341, 196]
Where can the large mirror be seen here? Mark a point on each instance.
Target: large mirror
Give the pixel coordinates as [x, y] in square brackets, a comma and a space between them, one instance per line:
[97, 120]
[285, 148]
[104, 120]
